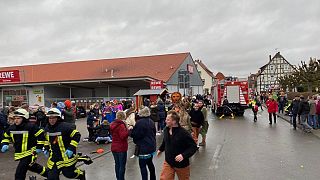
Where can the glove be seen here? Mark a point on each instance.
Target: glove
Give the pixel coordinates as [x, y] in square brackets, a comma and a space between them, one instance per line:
[4, 148]
[69, 153]
[46, 153]
[38, 151]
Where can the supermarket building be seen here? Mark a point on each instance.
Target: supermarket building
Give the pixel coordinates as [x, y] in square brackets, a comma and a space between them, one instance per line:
[97, 80]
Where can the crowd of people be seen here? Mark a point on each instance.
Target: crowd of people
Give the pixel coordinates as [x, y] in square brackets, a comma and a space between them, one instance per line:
[180, 123]
[303, 111]
[54, 134]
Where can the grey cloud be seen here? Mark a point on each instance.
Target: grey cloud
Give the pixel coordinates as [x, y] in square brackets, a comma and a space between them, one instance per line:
[234, 36]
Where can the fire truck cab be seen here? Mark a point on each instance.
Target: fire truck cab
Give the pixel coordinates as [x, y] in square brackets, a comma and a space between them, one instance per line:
[236, 93]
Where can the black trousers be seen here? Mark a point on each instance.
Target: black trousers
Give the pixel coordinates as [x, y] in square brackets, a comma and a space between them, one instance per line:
[294, 120]
[23, 167]
[255, 118]
[91, 134]
[70, 172]
[274, 117]
[143, 164]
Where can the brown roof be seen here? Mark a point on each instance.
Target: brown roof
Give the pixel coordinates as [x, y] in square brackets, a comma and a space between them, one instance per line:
[220, 76]
[159, 67]
[205, 68]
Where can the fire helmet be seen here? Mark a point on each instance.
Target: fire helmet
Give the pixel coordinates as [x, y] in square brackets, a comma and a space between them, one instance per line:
[21, 113]
[54, 112]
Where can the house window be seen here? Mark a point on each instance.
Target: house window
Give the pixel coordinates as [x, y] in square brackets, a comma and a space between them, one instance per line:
[271, 67]
[286, 67]
[199, 73]
[184, 79]
[271, 78]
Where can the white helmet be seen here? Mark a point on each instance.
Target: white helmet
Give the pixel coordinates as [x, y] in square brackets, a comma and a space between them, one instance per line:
[21, 113]
[54, 112]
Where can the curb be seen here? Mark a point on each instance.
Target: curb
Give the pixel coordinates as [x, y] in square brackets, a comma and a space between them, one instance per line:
[313, 131]
[283, 117]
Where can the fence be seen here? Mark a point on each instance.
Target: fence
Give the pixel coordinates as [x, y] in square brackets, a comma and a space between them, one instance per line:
[86, 101]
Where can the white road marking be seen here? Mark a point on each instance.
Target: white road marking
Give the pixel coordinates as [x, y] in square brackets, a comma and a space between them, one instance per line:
[215, 159]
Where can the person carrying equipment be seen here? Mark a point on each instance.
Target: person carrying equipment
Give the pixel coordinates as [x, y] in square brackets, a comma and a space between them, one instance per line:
[62, 141]
[28, 141]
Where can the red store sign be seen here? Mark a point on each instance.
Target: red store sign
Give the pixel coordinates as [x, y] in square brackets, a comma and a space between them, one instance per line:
[10, 76]
[156, 84]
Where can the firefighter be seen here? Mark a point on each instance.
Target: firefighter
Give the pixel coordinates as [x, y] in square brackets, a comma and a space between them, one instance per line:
[62, 141]
[226, 108]
[28, 141]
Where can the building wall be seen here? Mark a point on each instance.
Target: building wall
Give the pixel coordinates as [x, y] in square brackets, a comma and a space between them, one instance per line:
[56, 92]
[172, 88]
[278, 67]
[206, 78]
[195, 79]
[82, 92]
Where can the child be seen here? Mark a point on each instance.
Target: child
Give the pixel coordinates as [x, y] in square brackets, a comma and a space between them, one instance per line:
[90, 125]
[255, 109]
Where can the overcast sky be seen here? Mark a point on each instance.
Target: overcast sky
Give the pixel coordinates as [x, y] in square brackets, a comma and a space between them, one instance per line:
[231, 36]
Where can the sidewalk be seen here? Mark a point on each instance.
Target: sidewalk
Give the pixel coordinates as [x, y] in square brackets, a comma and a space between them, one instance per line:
[287, 118]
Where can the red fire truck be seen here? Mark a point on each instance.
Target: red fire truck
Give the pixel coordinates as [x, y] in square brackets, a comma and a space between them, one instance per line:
[236, 93]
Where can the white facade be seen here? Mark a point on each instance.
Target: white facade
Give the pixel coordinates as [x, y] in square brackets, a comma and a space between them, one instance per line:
[207, 78]
[269, 76]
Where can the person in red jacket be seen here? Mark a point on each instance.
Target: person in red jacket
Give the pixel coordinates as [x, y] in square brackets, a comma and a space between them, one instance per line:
[119, 146]
[272, 109]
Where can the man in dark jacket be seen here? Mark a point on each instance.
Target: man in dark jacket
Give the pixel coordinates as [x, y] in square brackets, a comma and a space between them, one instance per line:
[28, 141]
[41, 118]
[90, 125]
[197, 120]
[162, 114]
[303, 111]
[282, 101]
[294, 111]
[178, 146]
[144, 136]
[3, 124]
[61, 147]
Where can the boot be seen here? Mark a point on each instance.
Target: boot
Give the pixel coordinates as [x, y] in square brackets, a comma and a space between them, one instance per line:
[203, 143]
[83, 177]
[221, 116]
[232, 115]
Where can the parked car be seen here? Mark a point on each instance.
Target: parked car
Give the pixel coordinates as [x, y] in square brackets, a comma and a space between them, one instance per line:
[81, 112]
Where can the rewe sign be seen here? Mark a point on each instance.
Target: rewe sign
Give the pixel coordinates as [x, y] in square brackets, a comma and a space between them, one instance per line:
[10, 76]
[156, 84]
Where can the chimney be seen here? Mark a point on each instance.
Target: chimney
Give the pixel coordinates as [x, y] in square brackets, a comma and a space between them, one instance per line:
[269, 57]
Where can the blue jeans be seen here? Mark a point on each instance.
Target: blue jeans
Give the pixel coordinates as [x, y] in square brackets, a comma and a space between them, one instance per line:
[143, 163]
[312, 121]
[120, 159]
[304, 121]
[107, 139]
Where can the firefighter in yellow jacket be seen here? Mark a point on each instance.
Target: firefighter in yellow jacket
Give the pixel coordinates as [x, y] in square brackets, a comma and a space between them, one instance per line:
[28, 141]
[62, 141]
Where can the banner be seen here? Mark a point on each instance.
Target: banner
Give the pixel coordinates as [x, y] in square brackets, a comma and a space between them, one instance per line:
[10, 76]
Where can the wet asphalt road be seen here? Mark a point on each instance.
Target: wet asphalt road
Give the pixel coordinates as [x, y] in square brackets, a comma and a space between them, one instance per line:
[236, 149]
